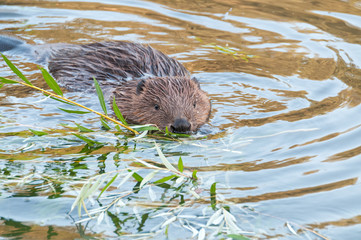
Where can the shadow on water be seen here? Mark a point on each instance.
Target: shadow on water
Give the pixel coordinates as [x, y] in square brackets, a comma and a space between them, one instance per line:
[283, 138]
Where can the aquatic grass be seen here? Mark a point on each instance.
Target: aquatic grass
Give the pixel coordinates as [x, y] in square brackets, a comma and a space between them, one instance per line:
[181, 188]
[38, 133]
[51, 82]
[114, 199]
[235, 53]
[15, 70]
[118, 113]
[178, 182]
[100, 96]
[57, 95]
[5, 80]
[57, 92]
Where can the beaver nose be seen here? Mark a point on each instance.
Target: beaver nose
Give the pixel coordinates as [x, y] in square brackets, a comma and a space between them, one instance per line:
[180, 125]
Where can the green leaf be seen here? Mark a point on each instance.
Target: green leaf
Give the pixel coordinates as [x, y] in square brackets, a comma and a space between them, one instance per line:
[162, 180]
[60, 100]
[83, 129]
[148, 178]
[137, 177]
[100, 96]
[6, 80]
[180, 164]
[166, 163]
[51, 82]
[104, 123]
[194, 175]
[118, 128]
[15, 70]
[73, 111]
[118, 113]
[38, 133]
[142, 128]
[167, 131]
[1, 85]
[89, 141]
[213, 196]
[108, 184]
[237, 237]
[181, 135]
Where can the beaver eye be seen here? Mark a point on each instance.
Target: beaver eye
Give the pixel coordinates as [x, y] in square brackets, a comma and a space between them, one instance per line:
[156, 107]
[194, 104]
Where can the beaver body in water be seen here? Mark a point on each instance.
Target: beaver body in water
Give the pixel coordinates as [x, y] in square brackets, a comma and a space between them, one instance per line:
[149, 87]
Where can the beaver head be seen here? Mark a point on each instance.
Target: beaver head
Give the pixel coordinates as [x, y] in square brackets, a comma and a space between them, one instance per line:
[175, 102]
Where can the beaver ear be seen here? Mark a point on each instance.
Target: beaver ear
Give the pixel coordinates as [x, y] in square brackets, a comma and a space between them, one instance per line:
[140, 86]
[195, 81]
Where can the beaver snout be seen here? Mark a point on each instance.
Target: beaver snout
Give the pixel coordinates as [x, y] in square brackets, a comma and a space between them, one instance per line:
[180, 125]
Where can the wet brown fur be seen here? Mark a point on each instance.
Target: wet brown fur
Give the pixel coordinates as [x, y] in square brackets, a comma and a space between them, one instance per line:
[139, 77]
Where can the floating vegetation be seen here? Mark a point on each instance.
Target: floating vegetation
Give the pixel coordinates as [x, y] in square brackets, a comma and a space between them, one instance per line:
[139, 190]
[234, 52]
[58, 94]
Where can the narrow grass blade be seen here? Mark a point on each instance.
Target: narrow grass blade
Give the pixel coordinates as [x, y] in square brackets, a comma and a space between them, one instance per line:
[214, 218]
[148, 178]
[38, 133]
[15, 70]
[118, 113]
[104, 124]
[194, 175]
[83, 129]
[167, 131]
[162, 180]
[142, 135]
[100, 96]
[165, 161]
[213, 196]
[180, 164]
[6, 80]
[194, 194]
[89, 141]
[142, 128]
[73, 111]
[51, 82]
[79, 198]
[107, 186]
[137, 177]
[118, 128]
[169, 221]
[59, 100]
[125, 179]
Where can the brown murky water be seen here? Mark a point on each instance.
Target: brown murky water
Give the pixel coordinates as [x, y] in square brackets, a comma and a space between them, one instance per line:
[285, 132]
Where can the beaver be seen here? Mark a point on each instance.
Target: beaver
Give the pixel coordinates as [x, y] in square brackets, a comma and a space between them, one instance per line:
[149, 87]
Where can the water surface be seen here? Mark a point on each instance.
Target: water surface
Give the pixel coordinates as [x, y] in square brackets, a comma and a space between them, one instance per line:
[283, 138]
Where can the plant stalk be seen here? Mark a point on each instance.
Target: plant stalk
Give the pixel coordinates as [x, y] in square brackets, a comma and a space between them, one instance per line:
[77, 104]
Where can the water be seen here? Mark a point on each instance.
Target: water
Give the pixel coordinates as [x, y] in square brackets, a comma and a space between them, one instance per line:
[283, 137]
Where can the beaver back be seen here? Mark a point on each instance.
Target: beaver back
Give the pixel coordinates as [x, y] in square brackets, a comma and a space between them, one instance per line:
[111, 63]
